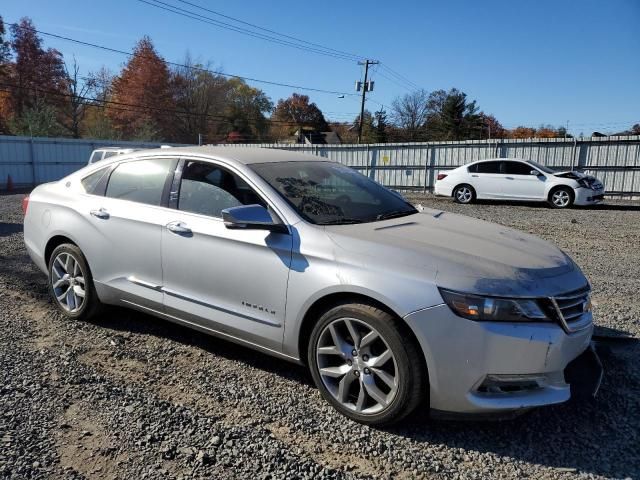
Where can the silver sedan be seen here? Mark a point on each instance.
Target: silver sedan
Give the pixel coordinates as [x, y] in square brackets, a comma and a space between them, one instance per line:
[391, 306]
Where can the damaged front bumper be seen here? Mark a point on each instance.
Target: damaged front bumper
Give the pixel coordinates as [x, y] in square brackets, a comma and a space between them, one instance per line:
[492, 367]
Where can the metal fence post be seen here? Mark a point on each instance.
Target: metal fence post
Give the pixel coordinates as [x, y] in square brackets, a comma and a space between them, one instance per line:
[33, 161]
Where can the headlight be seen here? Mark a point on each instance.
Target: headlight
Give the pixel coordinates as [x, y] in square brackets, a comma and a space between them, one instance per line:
[476, 307]
[583, 182]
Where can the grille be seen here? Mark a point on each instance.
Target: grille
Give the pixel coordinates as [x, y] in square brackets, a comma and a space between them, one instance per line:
[571, 308]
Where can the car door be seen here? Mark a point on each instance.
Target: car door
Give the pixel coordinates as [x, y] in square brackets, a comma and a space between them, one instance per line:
[233, 281]
[126, 216]
[520, 184]
[486, 179]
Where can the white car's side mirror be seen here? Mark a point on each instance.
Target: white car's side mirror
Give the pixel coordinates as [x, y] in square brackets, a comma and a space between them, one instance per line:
[535, 172]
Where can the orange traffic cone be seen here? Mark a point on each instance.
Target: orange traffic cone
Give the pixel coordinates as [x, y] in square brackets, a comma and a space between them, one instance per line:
[9, 183]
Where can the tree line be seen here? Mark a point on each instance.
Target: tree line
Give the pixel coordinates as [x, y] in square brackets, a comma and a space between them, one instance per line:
[150, 99]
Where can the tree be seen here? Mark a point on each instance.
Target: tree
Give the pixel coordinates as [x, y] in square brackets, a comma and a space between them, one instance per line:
[491, 127]
[522, 132]
[37, 120]
[5, 58]
[142, 91]
[458, 118]
[97, 124]
[38, 75]
[5, 51]
[296, 112]
[410, 112]
[75, 108]
[199, 96]
[381, 127]
[368, 127]
[245, 110]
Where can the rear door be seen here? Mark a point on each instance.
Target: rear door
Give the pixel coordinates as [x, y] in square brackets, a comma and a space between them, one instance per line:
[486, 179]
[520, 184]
[126, 220]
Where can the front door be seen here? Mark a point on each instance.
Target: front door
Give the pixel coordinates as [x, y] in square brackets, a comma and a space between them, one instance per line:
[231, 281]
[520, 184]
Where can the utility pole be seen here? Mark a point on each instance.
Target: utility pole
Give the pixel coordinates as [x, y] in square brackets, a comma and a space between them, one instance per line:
[366, 87]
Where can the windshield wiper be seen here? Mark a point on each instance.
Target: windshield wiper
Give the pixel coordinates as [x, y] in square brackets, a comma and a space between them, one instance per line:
[341, 221]
[395, 214]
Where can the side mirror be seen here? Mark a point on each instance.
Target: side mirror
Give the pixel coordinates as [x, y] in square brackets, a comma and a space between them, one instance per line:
[535, 172]
[251, 217]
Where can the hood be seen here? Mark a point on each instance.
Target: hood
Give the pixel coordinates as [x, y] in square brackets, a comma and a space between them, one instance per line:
[462, 253]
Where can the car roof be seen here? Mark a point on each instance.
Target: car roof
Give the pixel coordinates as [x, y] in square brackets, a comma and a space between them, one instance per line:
[244, 155]
[499, 160]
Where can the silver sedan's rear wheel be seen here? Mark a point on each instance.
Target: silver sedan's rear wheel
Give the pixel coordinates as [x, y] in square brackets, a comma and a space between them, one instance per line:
[464, 194]
[70, 282]
[365, 366]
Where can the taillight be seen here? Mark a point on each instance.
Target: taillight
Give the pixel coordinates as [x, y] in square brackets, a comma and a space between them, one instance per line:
[25, 204]
[442, 176]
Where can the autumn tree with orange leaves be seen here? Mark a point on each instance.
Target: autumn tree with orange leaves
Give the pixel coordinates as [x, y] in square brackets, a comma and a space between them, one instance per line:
[141, 100]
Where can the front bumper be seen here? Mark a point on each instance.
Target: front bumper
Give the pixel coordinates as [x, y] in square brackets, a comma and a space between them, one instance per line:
[466, 359]
[587, 196]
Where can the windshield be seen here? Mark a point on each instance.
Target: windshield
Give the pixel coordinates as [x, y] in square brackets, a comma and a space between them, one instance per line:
[541, 167]
[327, 193]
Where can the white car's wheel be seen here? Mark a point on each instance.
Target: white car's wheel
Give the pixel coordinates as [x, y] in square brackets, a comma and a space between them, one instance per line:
[464, 194]
[561, 197]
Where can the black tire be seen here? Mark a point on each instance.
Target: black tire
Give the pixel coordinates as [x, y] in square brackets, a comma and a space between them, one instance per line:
[90, 305]
[561, 197]
[464, 194]
[407, 362]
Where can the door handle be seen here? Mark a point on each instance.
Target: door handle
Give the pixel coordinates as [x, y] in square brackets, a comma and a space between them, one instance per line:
[474, 176]
[179, 228]
[100, 213]
[509, 178]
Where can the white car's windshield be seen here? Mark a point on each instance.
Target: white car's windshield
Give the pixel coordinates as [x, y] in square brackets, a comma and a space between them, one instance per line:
[541, 167]
[329, 193]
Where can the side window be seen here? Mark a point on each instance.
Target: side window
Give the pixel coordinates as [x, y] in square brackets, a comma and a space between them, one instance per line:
[109, 154]
[91, 183]
[517, 168]
[473, 168]
[96, 156]
[207, 189]
[489, 167]
[140, 181]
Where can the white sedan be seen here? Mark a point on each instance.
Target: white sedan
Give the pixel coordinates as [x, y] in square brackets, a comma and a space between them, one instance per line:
[515, 179]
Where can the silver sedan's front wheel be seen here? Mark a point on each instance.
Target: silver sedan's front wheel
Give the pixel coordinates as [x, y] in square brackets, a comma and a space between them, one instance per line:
[71, 283]
[366, 365]
[357, 366]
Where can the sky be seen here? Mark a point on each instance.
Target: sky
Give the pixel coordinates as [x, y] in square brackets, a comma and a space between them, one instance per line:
[527, 63]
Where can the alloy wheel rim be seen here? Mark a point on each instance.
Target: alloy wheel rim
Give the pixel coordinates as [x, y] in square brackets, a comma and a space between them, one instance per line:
[464, 195]
[561, 198]
[357, 366]
[68, 282]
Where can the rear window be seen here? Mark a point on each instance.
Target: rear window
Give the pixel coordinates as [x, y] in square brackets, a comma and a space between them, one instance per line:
[140, 181]
[91, 183]
[96, 156]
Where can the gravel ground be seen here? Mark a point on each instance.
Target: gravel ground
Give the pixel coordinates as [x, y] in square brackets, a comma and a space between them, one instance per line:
[130, 396]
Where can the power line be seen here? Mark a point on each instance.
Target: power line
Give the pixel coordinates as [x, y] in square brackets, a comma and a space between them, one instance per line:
[303, 44]
[353, 55]
[175, 64]
[203, 18]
